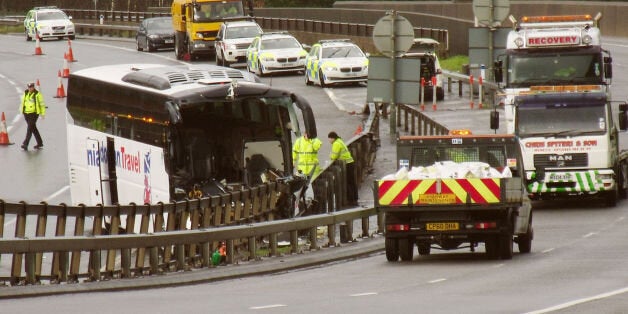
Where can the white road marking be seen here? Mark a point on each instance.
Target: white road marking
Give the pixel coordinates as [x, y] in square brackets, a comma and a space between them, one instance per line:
[548, 250]
[579, 301]
[334, 99]
[589, 234]
[362, 294]
[437, 280]
[263, 307]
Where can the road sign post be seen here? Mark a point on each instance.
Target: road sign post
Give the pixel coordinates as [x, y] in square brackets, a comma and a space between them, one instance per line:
[393, 36]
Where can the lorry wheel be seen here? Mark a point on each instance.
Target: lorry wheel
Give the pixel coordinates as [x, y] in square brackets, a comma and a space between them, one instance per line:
[611, 198]
[179, 43]
[406, 249]
[524, 242]
[424, 248]
[492, 248]
[622, 180]
[505, 246]
[392, 250]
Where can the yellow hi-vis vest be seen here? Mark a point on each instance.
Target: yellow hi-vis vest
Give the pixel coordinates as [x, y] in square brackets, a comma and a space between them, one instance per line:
[33, 102]
[339, 151]
[305, 154]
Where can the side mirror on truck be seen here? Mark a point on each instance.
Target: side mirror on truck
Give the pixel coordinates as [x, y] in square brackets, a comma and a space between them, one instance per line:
[623, 116]
[494, 120]
[608, 67]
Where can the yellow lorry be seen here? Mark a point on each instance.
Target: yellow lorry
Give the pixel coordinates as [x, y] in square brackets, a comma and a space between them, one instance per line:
[196, 24]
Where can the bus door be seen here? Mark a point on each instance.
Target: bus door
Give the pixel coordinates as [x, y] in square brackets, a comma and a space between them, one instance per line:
[94, 173]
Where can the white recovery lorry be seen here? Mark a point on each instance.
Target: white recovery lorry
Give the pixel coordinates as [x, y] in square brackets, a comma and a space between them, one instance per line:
[557, 101]
[551, 51]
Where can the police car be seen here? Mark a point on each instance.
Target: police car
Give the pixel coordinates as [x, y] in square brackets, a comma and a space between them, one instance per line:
[275, 52]
[233, 38]
[336, 61]
[48, 22]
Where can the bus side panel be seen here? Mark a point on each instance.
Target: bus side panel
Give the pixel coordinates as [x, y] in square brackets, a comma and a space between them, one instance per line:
[141, 173]
[87, 166]
[140, 169]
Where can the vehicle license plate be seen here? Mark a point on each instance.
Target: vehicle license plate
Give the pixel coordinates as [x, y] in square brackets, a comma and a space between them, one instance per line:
[287, 65]
[560, 177]
[445, 198]
[442, 226]
[169, 41]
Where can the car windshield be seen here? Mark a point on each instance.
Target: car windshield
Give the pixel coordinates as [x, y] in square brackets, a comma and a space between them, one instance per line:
[342, 52]
[242, 32]
[54, 15]
[280, 43]
[159, 24]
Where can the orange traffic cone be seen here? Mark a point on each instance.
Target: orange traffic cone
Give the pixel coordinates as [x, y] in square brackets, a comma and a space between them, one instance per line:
[37, 84]
[37, 46]
[66, 69]
[70, 55]
[4, 136]
[358, 131]
[60, 89]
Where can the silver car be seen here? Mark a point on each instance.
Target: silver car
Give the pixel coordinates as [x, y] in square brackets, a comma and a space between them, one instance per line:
[233, 39]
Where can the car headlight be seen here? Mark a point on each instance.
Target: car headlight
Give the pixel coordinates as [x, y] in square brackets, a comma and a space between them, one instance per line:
[199, 35]
[605, 176]
[302, 57]
[268, 58]
[232, 47]
[330, 68]
[153, 36]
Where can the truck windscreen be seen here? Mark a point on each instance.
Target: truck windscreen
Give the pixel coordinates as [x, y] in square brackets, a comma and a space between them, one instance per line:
[555, 68]
[561, 118]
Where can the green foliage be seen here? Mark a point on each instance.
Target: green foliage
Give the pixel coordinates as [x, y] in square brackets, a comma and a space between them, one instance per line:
[454, 63]
[6, 29]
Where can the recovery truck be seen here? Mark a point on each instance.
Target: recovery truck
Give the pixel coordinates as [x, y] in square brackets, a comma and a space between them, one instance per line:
[570, 143]
[446, 211]
[196, 24]
[551, 51]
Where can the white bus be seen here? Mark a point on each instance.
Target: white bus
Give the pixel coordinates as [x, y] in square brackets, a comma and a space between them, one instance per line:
[149, 133]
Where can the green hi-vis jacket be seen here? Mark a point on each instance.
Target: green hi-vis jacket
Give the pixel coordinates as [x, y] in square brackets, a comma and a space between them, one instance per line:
[33, 102]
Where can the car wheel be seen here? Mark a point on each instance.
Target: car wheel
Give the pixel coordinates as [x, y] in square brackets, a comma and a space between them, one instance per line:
[72, 37]
[137, 43]
[440, 93]
[148, 46]
[307, 79]
[320, 78]
[260, 70]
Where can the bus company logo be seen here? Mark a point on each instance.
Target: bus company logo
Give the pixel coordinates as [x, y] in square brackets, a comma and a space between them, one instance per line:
[127, 161]
[147, 187]
[96, 156]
